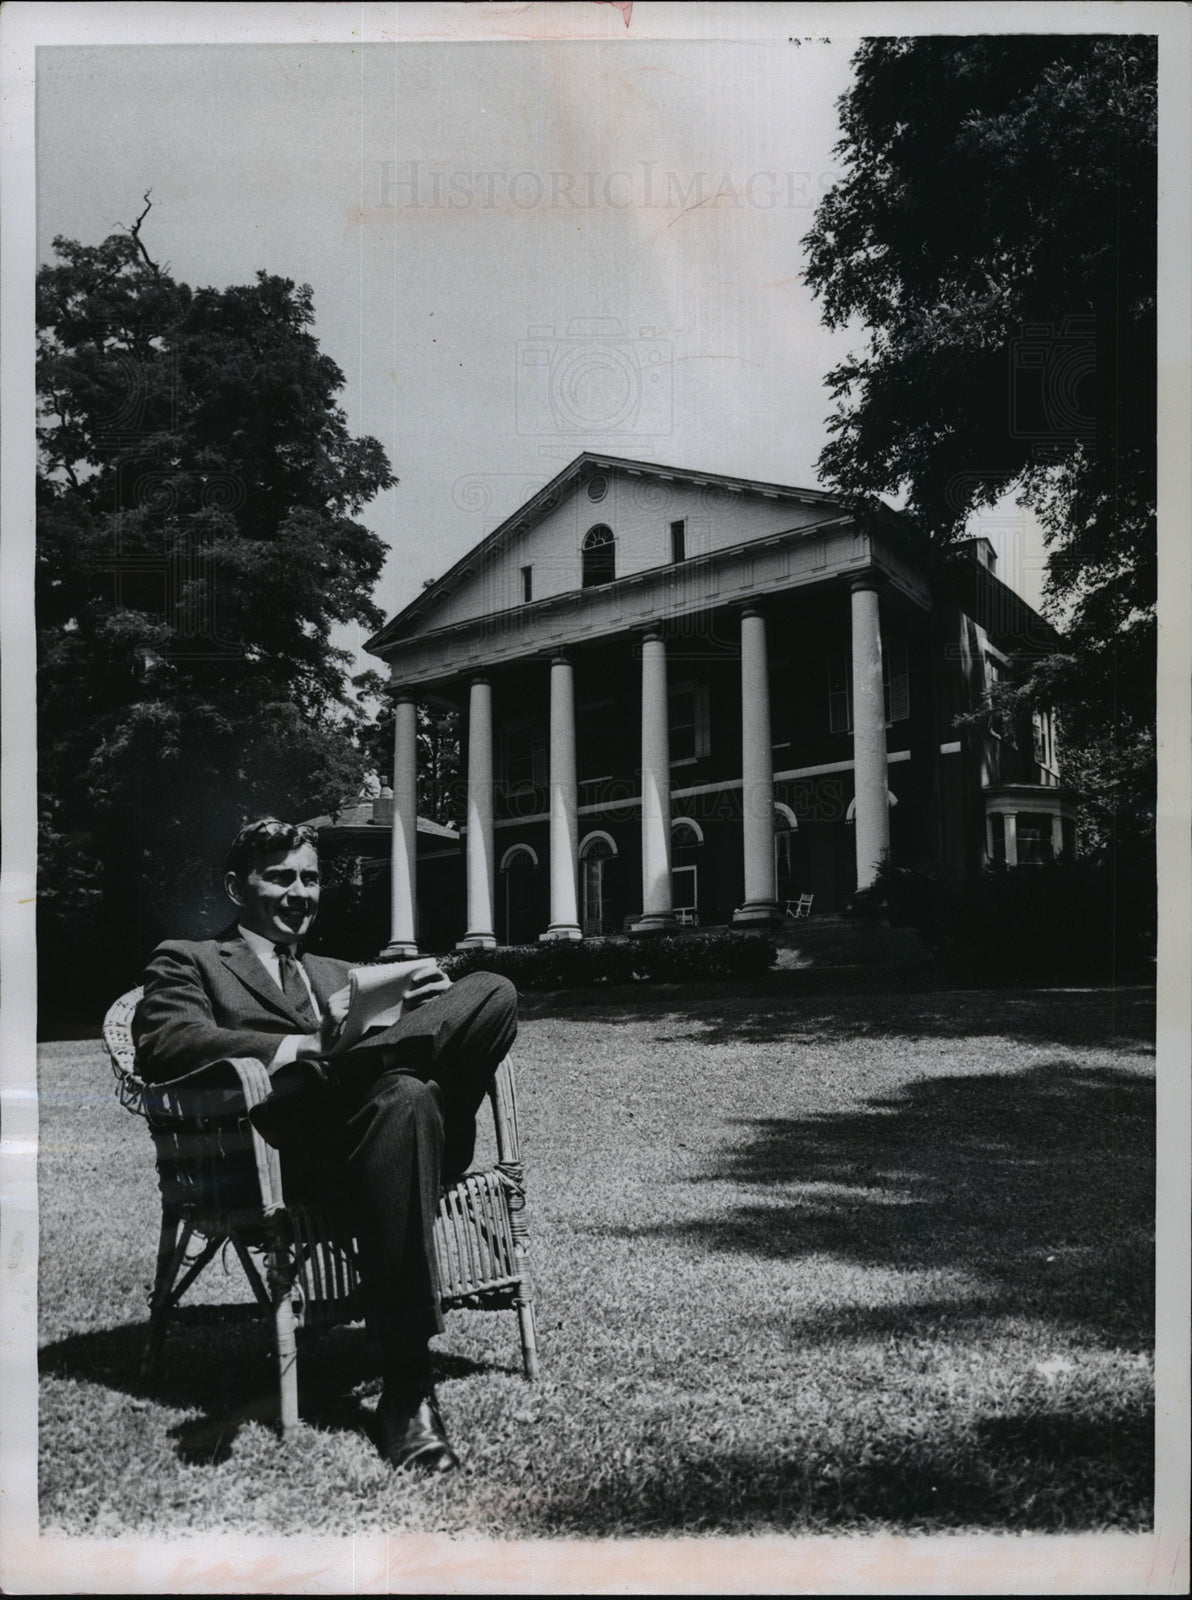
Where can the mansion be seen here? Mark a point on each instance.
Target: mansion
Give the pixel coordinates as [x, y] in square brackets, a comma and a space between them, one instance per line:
[691, 699]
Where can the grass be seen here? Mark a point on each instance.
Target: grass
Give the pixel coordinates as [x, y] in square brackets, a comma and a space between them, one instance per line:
[804, 1264]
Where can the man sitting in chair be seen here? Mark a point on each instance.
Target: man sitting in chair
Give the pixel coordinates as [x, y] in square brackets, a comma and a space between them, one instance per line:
[382, 1123]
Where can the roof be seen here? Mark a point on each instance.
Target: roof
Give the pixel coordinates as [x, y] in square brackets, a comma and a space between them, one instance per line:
[1009, 620]
[979, 586]
[360, 814]
[547, 498]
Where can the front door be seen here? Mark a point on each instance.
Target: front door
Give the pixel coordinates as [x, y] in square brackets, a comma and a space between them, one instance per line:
[685, 893]
[594, 911]
[521, 910]
[593, 896]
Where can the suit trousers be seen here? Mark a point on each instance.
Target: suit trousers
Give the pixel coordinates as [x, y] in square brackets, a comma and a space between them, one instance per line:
[406, 1107]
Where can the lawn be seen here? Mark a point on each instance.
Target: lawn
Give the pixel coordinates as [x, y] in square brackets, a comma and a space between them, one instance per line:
[804, 1264]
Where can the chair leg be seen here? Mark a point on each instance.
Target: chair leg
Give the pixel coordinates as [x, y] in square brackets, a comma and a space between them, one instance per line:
[529, 1340]
[287, 1364]
[171, 1251]
[281, 1267]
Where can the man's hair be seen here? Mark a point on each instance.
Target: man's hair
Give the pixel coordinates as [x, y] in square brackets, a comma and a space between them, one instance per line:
[266, 837]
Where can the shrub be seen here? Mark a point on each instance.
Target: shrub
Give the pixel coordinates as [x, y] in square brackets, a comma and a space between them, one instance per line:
[1056, 922]
[707, 956]
[915, 897]
[564, 964]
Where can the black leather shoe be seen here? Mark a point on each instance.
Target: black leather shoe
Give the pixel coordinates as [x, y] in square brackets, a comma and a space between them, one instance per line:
[415, 1440]
[299, 1088]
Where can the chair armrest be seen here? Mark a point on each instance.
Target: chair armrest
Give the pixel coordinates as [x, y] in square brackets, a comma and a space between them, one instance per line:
[214, 1093]
[222, 1094]
[504, 1103]
[256, 1085]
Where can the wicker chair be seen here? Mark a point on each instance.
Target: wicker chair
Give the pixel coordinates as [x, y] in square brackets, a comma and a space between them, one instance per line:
[221, 1184]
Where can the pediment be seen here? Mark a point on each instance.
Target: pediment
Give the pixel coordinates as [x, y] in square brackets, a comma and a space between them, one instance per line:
[538, 553]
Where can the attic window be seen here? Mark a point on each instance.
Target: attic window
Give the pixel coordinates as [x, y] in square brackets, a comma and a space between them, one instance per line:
[599, 556]
[527, 584]
[597, 487]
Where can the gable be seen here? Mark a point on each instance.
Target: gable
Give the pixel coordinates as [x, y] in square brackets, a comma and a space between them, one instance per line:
[639, 507]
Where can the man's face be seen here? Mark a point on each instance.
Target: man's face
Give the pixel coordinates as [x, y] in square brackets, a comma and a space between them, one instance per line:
[279, 897]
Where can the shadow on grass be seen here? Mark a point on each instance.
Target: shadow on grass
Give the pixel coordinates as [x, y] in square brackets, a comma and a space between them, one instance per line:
[1039, 1184]
[754, 1012]
[1042, 1472]
[219, 1361]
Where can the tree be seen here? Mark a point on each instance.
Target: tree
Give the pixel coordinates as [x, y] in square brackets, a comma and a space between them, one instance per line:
[440, 791]
[995, 232]
[198, 491]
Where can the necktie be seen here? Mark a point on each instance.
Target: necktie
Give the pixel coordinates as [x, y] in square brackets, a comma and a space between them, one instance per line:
[294, 988]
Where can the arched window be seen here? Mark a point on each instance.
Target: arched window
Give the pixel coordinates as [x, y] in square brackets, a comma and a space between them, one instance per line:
[599, 555]
[851, 814]
[786, 826]
[518, 890]
[596, 856]
[516, 850]
[686, 838]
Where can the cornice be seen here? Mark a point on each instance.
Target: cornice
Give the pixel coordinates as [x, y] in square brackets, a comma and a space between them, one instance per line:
[670, 597]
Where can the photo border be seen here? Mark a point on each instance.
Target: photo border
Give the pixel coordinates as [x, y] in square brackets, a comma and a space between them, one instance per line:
[217, 1563]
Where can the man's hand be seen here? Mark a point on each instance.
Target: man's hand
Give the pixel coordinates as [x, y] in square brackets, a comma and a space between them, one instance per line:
[427, 982]
[321, 1042]
[333, 1017]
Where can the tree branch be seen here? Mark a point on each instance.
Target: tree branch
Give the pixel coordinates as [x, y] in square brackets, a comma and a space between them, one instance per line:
[135, 232]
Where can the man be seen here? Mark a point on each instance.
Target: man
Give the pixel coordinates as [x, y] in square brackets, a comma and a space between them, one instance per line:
[377, 1126]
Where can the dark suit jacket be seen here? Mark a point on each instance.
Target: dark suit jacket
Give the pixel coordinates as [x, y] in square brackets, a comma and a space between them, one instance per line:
[207, 999]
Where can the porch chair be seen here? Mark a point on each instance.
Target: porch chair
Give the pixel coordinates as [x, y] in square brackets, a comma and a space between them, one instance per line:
[221, 1185]
[801, 907]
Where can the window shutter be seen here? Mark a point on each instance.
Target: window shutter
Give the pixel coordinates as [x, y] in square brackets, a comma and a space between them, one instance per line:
[690, 729]
[840, 696]
[703, 731]
[897, 681]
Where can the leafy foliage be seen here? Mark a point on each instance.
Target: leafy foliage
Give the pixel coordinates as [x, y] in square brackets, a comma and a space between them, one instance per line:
[995, 233]
[197, 543]
[561, 964]
[1056, 922]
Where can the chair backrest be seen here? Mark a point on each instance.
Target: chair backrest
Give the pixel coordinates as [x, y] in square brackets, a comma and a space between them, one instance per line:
[117, 1036]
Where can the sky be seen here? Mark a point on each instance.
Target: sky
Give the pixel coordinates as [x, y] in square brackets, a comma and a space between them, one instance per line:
[518, 250]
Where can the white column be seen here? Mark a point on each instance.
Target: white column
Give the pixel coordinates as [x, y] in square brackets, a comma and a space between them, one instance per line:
[657, 911]
[480, 817]
[872, 819]
[403, 862]
[1011, 838]
[564, 820]
[757, 774]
